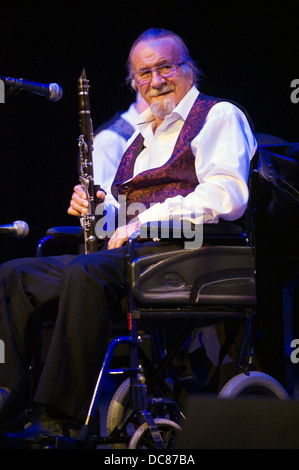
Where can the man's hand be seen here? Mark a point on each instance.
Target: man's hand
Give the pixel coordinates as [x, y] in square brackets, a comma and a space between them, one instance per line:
[79, 204]
[122, 234]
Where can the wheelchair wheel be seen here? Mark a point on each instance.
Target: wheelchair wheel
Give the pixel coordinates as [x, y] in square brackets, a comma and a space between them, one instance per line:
[254, 384]
[116, 410]
[120, 403]
[142, 437]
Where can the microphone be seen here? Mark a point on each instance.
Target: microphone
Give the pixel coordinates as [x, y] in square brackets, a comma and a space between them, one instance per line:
[53, 92]
[18, 229]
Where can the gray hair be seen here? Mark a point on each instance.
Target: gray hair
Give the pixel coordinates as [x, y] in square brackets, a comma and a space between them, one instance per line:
[157, 33]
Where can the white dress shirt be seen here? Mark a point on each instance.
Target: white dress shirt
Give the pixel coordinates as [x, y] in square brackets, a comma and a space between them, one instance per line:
[222, 153]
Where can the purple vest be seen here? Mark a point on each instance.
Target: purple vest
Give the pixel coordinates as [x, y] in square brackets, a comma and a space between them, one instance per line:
[176, 176]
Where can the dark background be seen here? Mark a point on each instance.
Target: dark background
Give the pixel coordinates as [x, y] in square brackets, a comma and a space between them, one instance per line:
[248, 54]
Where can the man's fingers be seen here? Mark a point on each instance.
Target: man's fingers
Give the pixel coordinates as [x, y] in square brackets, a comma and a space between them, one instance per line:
[101, 195]
[122, 234]
[116, 243]
[78, 203]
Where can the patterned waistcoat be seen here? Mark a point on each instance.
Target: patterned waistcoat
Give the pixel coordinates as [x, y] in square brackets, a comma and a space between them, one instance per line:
[176, 176]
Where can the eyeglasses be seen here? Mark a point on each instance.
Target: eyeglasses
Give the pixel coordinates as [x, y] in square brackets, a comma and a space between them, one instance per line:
[143, 77]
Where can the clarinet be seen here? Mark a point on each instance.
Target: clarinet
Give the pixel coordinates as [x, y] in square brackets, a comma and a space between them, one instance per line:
[85, 142]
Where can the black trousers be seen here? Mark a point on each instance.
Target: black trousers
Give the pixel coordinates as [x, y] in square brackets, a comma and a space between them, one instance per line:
[84, 293]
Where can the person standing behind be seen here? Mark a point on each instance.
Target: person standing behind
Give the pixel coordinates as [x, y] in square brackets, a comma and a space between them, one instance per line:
[110, 142]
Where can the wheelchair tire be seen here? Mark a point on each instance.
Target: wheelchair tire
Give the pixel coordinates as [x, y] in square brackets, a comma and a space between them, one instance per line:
[116, 410]
[142, 438]
[254, 384]
[118, 406]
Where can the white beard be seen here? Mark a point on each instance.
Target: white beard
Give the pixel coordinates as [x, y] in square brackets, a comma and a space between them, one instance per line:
[162, 107]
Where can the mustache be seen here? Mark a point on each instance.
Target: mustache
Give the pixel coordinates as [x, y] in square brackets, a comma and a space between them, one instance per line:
[164, 88]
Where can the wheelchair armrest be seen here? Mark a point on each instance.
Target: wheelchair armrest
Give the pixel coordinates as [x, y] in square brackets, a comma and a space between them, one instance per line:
[61, 234]
[177, 229]
[223, 233]
[74, 233]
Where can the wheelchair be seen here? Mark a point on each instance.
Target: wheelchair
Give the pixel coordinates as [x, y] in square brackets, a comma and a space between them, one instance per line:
[180, 290]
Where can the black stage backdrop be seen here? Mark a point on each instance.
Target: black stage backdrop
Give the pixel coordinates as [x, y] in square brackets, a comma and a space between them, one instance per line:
[248, 53]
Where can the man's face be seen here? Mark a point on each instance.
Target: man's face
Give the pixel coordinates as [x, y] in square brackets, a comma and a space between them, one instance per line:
[162, 93]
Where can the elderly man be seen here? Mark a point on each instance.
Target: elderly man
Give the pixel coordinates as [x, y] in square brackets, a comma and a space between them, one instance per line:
[189, 160]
